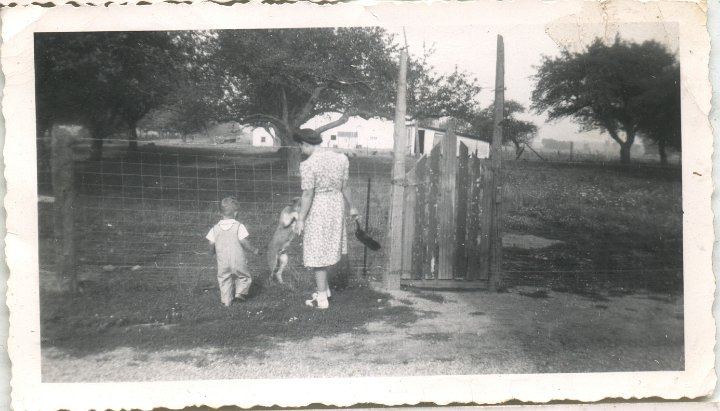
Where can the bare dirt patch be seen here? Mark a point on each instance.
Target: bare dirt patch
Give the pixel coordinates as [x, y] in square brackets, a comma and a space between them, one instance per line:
[465, 333]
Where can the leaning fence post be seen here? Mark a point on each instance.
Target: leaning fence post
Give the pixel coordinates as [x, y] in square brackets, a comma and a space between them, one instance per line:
[63, 183]
[496, 274]
[391, 276]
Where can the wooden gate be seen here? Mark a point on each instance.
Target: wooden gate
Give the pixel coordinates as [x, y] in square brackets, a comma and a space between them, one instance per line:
[448, 213]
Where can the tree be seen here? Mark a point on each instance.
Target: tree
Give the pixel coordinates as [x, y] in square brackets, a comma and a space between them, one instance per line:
[515, 131]
[603, 87]
[107, 80]
[660, 122]
[282, 78]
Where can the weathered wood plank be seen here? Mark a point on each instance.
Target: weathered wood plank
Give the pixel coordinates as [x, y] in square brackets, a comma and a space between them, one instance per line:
[474, 218]
[461, 216]
[447, 206]
[486, 222]
[408, 224]
[432, 200]
[421, 219]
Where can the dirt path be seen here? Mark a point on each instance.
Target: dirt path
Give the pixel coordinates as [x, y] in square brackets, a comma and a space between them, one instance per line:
[456, 333]
[451, 337]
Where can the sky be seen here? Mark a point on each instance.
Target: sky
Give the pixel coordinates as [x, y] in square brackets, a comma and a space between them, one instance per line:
[473, 49]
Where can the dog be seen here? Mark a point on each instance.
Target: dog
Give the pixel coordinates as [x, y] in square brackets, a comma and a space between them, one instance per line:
[281, 239]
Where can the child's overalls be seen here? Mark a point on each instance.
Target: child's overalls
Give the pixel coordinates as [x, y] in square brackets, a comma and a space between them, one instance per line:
[232, 272]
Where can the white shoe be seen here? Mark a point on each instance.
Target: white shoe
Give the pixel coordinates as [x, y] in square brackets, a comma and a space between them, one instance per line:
[322, 300]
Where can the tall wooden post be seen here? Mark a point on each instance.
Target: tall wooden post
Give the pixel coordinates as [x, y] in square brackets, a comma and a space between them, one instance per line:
[391, 277]
[496, 274]
[63, 183]
[446, 210]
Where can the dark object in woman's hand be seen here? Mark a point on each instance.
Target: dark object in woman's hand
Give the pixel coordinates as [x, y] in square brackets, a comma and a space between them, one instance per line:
[365, 239]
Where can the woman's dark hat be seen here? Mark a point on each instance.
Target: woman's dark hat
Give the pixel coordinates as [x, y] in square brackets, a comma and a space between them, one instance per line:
[307, 135]
[365, 239]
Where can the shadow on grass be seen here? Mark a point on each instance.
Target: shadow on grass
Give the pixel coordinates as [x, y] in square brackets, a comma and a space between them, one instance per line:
[153, 320]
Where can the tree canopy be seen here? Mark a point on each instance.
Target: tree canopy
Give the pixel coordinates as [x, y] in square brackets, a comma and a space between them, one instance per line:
[277, 78]
[107, 80]
[608, 87]
[515, 131]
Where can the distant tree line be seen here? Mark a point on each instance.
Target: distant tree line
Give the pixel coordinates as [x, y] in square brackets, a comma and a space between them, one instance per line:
[625, 89]
[186, 81]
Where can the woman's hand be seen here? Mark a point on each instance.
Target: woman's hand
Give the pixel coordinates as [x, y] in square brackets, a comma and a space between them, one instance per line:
[299, 226]
[354, 213]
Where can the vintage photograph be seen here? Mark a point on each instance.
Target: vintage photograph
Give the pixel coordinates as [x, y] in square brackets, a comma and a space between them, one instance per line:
[359, 200]
[202, 191]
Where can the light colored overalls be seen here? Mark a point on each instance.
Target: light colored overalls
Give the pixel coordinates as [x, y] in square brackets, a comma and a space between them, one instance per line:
[233, 273]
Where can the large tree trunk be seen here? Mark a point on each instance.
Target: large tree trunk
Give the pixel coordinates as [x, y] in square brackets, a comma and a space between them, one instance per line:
[627, 144]
[291, 156]
[289, 152]
[625, 153]
[663, 152]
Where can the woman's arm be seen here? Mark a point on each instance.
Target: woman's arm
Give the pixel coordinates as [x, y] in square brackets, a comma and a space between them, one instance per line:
[347, 194]
[305, 203]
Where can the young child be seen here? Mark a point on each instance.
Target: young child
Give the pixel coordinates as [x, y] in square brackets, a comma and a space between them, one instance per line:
[227, 239]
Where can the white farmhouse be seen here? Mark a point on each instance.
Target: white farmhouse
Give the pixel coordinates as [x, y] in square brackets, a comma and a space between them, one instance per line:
[262, 137]
[377, 134]
[374, 133]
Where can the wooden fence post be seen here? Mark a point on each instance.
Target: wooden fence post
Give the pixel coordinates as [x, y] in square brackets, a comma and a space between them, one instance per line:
[496, 273]
[63, 183]
[446, 210]
[391, 276]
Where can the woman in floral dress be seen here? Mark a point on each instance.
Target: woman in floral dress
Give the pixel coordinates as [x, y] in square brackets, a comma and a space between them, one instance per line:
[321, 220]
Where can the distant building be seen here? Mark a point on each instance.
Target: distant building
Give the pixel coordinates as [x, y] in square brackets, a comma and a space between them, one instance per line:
[377, 134]
[262, 137]
[425, 138]
[374, 133]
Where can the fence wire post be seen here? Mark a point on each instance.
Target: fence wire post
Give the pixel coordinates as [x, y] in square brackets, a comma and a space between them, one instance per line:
[63, 182]
[495, 239]
[391, 276]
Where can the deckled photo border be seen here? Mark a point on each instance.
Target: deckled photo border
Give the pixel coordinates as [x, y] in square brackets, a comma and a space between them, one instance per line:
[28, 392]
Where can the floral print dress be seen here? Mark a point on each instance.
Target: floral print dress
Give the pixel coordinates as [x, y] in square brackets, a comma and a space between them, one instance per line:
[324, 236]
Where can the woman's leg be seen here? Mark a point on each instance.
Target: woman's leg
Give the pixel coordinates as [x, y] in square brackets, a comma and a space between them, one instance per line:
[322, 287]
[321, 279]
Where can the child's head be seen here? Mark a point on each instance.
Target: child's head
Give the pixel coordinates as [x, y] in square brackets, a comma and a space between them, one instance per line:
[229, 207]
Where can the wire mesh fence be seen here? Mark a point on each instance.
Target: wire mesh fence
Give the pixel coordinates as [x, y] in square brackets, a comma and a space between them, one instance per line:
[592, 226]
[145, 214]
